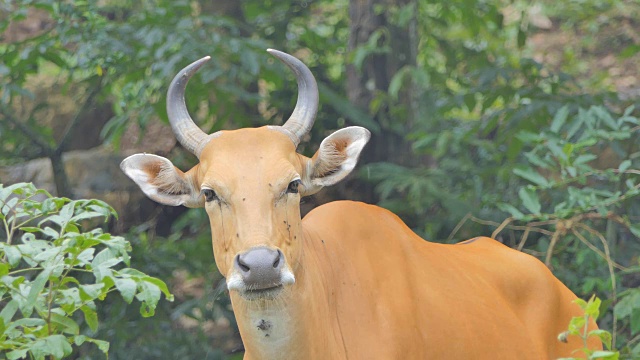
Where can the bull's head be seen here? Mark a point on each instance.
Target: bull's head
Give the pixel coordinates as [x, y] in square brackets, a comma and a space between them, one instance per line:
[250, 182]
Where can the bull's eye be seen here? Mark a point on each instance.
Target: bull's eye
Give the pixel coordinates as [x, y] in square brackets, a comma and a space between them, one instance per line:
[293, 187]
[209, 195]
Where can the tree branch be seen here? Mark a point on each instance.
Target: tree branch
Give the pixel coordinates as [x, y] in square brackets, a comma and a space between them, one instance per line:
[83, 109]
[46, 147]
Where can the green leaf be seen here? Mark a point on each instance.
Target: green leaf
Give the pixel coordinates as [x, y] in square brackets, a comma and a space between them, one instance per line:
[65, 324]
[13, 255]
[593, 308]
[635, 229]
[585, 158]
[36, 288]
[508, 208]
[90, 317]
[612, 355]
[71, 228]
[56, 345]
[529, 137]
[576, 325]
[604, 115]
[161, 285]
[530, 199]
[624, 166]
[86, 215]
[559, 119]
[86, 256]
[66, 213]
[149, 295]
[90, 291]
[627, 303]
[102, 345]
[80, 339]
[48, 255]
[8, 311]
[107, 256]
[531, 175]
[127, 289]
[581, 303]
[17, 354]
[4, 269]
[604, 336]
[397, 80]
[635, 321]
[50, 232]
[28, 322]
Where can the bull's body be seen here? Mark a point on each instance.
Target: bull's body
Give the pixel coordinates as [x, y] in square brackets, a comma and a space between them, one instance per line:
[369, 288]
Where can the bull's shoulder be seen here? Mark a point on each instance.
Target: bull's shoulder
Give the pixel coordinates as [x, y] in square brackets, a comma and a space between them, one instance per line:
[339, 206]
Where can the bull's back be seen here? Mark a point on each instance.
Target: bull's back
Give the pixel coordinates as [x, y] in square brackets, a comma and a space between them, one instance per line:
[397, 295]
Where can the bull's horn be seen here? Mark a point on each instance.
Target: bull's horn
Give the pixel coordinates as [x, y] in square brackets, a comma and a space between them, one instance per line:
[304, 114]
[186, 131]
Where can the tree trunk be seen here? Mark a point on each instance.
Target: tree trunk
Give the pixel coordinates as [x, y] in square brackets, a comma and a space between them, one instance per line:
[376, 73]
[59, 175]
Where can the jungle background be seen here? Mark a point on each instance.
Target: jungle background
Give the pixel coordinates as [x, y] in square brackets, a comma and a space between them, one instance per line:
[505, 118]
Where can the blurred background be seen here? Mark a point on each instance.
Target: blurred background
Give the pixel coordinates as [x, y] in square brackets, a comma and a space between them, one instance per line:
[508, 118]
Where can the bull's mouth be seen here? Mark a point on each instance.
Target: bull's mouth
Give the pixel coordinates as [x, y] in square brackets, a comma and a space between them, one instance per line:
[267, 293]
[266, 290]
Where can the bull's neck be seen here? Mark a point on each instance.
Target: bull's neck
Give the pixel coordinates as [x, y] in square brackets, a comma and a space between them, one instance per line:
[294, 326]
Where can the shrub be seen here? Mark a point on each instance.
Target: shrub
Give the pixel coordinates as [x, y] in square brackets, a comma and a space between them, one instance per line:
[51, 270]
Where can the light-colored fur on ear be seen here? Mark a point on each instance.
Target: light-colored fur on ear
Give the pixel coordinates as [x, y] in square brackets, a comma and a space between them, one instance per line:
[161, 181]
[335, 159]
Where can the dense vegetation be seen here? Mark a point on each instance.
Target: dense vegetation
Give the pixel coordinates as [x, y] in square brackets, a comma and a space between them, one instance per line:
[489, 117]
[45, 274]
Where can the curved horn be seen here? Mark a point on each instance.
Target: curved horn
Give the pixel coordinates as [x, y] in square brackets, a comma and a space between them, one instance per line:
[304, 114]
[186, 131]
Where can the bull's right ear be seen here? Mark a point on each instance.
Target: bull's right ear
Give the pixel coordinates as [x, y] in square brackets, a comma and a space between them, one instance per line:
[161, 181]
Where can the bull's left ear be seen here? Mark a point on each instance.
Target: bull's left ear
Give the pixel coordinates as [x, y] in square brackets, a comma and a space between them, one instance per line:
[337, 156]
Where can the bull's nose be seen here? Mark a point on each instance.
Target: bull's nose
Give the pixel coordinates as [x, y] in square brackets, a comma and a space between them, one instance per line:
[260, 267]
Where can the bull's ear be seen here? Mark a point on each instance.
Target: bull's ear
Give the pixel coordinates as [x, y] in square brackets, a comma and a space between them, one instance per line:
[337, 156]
[161, 181]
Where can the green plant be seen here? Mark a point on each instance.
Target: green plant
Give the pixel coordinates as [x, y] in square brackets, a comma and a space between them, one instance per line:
[579, 326]
[577, 208]
[56, 271]
[628, 312]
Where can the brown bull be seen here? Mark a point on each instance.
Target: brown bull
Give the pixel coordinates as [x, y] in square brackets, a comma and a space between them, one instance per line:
[350, 280]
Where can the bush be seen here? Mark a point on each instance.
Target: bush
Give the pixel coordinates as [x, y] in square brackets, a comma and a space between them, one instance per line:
[56, 271]
[578, 326]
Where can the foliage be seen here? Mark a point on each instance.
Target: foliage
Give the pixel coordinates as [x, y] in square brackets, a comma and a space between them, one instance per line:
[627, 310]
[128, 52]
[571, 199]
[199, 324]
[480, 89]
[578, 326]
[57, 270]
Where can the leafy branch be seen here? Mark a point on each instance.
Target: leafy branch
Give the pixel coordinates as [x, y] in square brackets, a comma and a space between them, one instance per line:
[38, 288]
